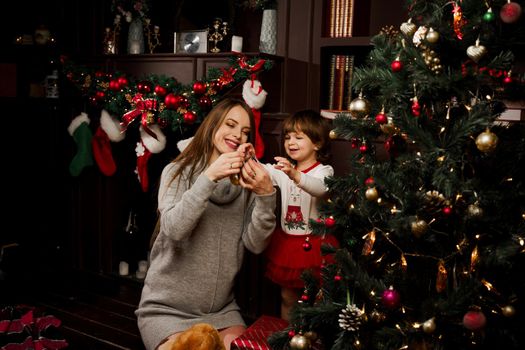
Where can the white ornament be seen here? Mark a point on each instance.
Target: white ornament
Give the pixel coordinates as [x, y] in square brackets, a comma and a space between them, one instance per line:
[419, 35]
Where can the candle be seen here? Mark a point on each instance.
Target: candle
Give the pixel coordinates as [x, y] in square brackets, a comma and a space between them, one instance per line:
[143, 266]
[236, 43]
[123, 268]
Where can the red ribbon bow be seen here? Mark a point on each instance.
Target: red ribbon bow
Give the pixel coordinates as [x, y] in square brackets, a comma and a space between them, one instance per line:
[143, 107]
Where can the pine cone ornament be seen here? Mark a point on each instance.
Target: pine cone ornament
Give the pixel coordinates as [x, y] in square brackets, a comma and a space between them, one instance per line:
[350, 318]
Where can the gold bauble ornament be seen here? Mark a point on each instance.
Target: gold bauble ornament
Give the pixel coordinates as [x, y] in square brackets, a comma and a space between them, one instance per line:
[419, 227]
[508, 311]
[234, 179]
[408, 28]
[359, 107]
[429, 326]
[486, 141]
[299, 342]
[432, 36]
[332, 134]
[371, 194]
[473, 211]
[476, 52]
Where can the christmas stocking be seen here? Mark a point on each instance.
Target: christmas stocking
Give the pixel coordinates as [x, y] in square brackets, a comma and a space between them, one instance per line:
[81, 133]
[109, 130]
[254, 95]
[145, 148]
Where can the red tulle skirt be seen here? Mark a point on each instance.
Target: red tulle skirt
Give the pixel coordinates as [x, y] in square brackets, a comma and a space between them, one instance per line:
[286, 258]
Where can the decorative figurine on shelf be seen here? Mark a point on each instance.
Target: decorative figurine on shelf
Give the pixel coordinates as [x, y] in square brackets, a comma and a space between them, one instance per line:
[218, 34]
[152, 38]
[109, 42]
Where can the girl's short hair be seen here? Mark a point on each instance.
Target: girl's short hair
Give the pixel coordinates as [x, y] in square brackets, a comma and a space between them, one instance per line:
[314, 126]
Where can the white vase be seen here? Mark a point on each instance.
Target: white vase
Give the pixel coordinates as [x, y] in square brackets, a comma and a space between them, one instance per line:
[268, 40]
[136, 37]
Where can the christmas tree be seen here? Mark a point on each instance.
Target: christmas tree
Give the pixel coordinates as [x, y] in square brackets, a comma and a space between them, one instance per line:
[431, 217]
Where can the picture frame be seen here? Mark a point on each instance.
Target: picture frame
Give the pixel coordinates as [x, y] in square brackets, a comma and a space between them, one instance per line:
[191, 41]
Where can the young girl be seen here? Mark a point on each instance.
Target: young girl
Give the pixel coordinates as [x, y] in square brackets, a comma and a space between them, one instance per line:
[206, 222]
[300, 178]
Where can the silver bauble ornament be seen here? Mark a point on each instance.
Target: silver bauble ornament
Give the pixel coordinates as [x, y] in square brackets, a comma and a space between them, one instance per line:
[359, 107]
[486, 141]
[299, 342]
[476, 52]
[474, 211]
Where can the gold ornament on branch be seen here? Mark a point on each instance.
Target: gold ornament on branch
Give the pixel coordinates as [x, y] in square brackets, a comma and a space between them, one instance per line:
[332, 134]
[486, 141]
[371, 194]
[408, 28]
[429, 326]
[508, 311]
[299, 342]
[359, 107]
[418, 227]
[432, 36]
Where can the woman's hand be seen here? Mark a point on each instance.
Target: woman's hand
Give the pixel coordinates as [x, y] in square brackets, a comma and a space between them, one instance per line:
[255, 178]
[225, 165]
[287, 167]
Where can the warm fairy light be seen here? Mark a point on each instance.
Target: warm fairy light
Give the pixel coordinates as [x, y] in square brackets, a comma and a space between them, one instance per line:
[509, 179]
[416, 325]
[451, 170]
[372, 293]
[357, 343]
[403, 347]
[487, 285]
[379, 200]
[522, 242]
[380, 258]
[440, 159]
[399, 329]
[477, 236]
[352, 206]
[404, 263]
[393, 210]
[403, 310]
[418, 154]
[488, 97]
[442, 129]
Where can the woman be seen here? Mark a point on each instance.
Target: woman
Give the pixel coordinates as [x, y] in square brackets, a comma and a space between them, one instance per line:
[206, 222]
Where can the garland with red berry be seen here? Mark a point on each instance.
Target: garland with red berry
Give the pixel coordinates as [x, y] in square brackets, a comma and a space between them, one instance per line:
[158, 99]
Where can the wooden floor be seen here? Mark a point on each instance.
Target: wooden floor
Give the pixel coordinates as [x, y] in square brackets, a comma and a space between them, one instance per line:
[97, 312]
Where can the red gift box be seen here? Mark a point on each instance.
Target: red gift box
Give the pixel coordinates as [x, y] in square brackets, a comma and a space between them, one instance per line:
[255, 337]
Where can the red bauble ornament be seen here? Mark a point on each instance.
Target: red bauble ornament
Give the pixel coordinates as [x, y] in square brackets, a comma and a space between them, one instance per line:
[329, 222]
[507, 80]
[363, 148]
[114, 85]
[205, 102]
[144, 87]
[416, 108]
[172, 101]
[510, 12]
[199, 88]
[391, 298]
[160, 91]
[474, 320]
[291, 333]
[396, 66]
[189, 117]
[381, 118]
[369, 181]
[123, 81]
[304, 297]
[337, 278]
[307, 246]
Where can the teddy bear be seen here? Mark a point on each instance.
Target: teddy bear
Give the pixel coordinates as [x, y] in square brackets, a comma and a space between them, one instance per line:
[200, 336]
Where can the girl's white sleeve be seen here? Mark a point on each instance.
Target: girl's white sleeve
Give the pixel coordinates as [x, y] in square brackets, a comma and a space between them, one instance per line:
[314, 183]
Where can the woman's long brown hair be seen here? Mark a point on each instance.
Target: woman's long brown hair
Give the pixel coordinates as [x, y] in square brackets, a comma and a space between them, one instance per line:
[198, 153]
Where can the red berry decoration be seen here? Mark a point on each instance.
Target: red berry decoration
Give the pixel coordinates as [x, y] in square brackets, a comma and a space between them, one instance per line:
[172, 101]
[144, 87]
[381, 118]
[510, 12]
[416, 107]
[114, 85]
[396, 66]
[447, 211]
[184, 102]
[160, 91]
[100, 95]
[507, 80]
[474, 320]
[199, 88]
[337, 278]
[99, 74]
[329, 222]
[189, 117]
[123, 81]
[391, 298]
[307, 246]
[205, 102]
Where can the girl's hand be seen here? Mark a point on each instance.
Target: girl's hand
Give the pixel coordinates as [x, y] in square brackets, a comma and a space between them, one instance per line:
[227, 164]
[255, 178]
[284, 165]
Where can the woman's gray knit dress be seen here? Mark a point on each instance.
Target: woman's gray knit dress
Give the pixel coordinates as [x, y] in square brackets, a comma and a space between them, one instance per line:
[204, 230]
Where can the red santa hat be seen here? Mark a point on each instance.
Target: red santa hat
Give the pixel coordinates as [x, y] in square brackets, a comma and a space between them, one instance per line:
[108, 130]
[255, 97]
[147, 146]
